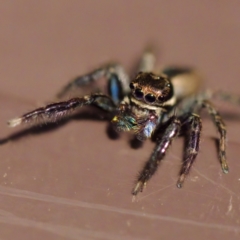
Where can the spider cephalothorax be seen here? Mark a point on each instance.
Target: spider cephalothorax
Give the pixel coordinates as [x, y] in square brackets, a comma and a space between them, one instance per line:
[163, 105]
[141, 110]
[152, 89]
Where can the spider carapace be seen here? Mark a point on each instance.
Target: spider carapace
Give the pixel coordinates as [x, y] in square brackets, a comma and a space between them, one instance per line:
[159, 105]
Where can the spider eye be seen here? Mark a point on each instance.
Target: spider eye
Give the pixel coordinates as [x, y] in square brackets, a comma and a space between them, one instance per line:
[150, 98]
[138, 93]
[161, 98]
[131, 85]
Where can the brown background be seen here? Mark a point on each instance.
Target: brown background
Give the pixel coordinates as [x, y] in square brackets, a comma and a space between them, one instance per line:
[75, 183]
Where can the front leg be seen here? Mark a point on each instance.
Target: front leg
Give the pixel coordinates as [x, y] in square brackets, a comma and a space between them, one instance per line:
[192, 147]
[115, 75]
[56, 111]
[157, 155]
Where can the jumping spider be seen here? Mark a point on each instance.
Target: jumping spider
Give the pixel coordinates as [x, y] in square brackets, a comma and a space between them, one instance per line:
[158, 106]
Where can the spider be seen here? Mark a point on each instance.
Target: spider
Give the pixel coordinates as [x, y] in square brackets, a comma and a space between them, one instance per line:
[159, 106]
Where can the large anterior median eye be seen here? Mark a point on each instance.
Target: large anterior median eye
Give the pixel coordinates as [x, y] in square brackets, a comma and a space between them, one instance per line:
[150, 98]
[138, 93]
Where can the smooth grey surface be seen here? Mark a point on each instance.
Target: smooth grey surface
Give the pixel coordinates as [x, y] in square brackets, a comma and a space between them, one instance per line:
[74, 182]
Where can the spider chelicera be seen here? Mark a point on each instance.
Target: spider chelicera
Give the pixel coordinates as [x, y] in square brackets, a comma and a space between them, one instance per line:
[160, 106]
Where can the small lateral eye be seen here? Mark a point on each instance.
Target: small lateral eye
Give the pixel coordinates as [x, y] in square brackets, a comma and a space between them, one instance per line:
[150, 98]
[138, 93]
[161, 98]
[131, 85]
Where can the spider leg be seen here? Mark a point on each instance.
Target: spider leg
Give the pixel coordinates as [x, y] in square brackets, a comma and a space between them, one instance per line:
[147, 61]
[117, 81]
[157, 155]
[221, 127]
[56, 111]
[225, 96]
[194, 124]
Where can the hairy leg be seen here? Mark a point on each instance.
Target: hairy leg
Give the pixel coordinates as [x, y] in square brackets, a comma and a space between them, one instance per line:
[56, 111]
[147, 61]
[158, 154]
[117, 81]
[225, 96]
[221, 127]
[194, 126]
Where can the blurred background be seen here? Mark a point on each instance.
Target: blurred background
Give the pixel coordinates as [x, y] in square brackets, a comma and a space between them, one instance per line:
[75, 183]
